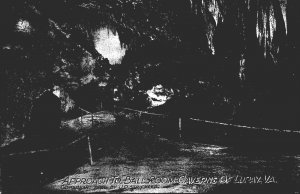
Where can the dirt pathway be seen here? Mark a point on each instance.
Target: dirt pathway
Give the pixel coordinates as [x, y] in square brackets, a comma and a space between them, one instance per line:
[199, 168]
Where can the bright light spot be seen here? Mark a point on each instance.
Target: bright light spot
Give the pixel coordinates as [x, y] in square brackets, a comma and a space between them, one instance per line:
[272, 21]
[56, 91]
[242, 69]
[102, 84]
[88, 63]
[8, 47]
[109, 46]
[214, 10]
[23, 26]
[283, 5]
[87, 79]
[159, 95]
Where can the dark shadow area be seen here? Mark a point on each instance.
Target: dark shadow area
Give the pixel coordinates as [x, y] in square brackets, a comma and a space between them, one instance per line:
[45, 154]
[45, 118]
[28, 173]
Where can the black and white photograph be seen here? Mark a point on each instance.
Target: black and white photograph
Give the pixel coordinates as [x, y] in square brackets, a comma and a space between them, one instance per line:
[149, 96]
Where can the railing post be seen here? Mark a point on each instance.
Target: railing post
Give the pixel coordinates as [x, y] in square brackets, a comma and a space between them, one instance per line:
[90, 149]
[179, 127]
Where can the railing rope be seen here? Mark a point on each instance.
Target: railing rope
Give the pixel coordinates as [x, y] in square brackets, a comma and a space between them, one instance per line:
[84, 110]
[215, 122]
[144, 112]
[67, 145]
[245, 126]
[154, 114]
[47, 150]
